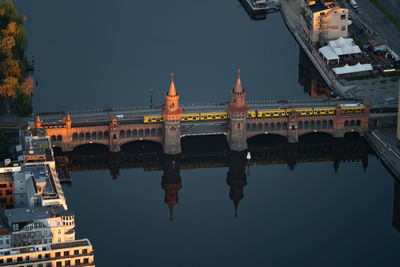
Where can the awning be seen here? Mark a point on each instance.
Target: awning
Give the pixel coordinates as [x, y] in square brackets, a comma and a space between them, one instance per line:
[352, 69]
[328, 53]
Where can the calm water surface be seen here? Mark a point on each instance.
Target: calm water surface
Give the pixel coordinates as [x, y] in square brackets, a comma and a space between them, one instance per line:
[296, 210]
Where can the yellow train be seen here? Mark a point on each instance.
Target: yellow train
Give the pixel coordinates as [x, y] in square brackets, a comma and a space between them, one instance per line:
[353, 108]
[190, 117]
[213, 116]
[153, 118]
[282, 112]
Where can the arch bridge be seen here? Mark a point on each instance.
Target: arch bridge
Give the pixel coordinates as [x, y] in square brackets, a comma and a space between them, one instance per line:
[237, 119]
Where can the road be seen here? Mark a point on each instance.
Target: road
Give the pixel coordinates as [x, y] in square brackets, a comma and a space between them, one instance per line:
[375, 21]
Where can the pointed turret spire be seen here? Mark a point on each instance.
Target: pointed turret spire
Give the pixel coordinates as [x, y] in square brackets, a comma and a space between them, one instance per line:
[236, 205]
[38, 123]
[238, 86]
[171, 210]
[172, 91]
[68, 117]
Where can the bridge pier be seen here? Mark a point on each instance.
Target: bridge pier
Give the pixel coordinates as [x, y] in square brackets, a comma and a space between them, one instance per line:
[172, 138]
[66, 147]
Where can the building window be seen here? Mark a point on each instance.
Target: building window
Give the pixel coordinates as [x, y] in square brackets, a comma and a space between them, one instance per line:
[66, 253]
[47, 255]
[84, 251]
[58, 254]
[85, 260]
[76, 252]
[67, 263]
[342, 17]
[58, 263]
[78, 261]
[343, 28]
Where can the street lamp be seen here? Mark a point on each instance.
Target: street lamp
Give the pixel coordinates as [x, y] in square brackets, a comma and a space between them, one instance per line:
[151, 97]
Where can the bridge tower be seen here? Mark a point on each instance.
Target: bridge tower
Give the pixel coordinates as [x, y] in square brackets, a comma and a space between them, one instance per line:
[114, 136]
[293, 131]
[172, 115]
[237, 111]
[38, 123]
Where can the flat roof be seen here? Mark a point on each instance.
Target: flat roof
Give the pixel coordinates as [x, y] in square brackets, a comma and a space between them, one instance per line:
[37, 213]
[77, 243]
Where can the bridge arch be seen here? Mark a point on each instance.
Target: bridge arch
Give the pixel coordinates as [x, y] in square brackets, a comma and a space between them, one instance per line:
[142, 140]
[81, 136]
[320, 136]
[87, 136]
[263, 139]
[122, 134]
[91, 147]
[94, 136]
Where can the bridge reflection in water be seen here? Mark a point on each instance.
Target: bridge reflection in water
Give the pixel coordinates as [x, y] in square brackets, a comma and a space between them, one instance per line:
[213, 152]
[264, 150]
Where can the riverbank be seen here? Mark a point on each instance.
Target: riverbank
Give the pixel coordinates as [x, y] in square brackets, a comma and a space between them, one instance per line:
[384, 143]
[364, 90]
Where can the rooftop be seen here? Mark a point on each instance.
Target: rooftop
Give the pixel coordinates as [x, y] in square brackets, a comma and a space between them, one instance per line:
[37, 213]
[48, 247]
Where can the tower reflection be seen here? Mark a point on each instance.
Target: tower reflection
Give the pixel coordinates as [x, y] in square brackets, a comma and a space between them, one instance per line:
[171, 181]
[264, 151]
[236, 177]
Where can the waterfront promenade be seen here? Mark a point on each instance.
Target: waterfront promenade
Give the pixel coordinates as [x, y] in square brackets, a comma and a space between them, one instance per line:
[384, 143]
[380, 92]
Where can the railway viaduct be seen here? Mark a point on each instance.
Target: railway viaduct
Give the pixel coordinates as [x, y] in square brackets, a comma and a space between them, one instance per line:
[108, 127]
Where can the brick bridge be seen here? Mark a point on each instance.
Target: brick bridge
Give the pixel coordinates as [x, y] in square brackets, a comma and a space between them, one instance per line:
[116, 127]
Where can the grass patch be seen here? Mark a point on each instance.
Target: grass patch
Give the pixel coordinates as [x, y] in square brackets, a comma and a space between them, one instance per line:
[386, 13]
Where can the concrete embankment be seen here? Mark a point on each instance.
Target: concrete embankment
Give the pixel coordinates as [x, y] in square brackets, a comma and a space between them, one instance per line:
[386, 150]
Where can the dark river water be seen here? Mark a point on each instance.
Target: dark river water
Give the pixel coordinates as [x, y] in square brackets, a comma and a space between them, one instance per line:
[322, 202]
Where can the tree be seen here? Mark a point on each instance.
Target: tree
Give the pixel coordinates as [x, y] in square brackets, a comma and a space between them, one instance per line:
[9, 86]
[10, 67]
[27, 86]
[6, 45]
[24, 103]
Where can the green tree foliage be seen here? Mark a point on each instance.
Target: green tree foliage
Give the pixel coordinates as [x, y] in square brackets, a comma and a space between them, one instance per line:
[24, 103]
[14, 83]
[4, 153]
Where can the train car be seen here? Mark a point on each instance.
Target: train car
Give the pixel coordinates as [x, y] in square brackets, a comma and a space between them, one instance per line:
[352, 108]
[190, 117]
[305, 111]
[251, 113]
[153, 118]
[213, 116]
[271, 113]
[324, 111]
